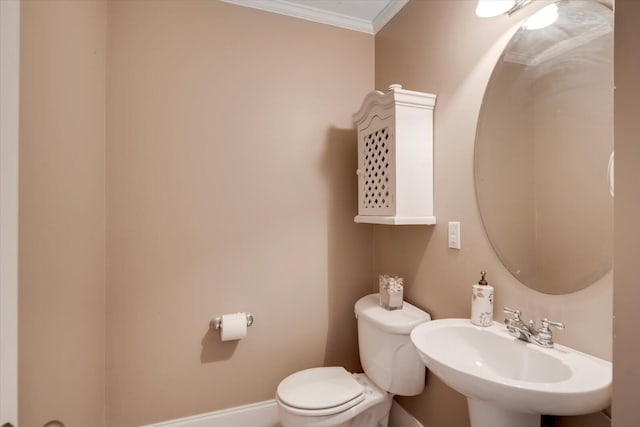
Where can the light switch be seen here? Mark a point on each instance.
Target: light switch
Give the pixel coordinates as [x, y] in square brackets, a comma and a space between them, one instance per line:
[454, 234]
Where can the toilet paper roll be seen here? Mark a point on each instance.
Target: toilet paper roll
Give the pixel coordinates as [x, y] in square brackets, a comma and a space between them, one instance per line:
[234, 326]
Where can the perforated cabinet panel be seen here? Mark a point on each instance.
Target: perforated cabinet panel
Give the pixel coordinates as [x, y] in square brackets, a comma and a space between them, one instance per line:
[376, 168]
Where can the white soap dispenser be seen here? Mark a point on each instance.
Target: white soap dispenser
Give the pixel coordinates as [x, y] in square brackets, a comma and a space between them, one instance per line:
[482, 302]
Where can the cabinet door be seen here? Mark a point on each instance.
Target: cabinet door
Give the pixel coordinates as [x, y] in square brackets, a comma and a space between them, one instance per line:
[376, 167]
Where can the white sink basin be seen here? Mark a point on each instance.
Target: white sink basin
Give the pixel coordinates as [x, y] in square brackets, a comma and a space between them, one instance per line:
[508, 381]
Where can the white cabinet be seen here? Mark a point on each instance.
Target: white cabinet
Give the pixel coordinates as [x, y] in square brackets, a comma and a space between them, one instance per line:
[395, 157]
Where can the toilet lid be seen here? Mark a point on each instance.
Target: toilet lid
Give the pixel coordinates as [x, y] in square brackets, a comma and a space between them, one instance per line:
[321, 388]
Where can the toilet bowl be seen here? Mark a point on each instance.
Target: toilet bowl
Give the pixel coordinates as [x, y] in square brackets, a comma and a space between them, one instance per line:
[334, 397]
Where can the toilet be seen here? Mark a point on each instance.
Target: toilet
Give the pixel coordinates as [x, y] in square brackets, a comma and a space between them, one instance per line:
[334, 397]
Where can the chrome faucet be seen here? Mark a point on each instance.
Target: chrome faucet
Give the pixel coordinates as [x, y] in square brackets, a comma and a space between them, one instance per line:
[516, 327]
[527, 331]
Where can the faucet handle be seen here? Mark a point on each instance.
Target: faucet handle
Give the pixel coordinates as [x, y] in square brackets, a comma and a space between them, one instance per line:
[544, 336]
[516, 313]
[546, 323]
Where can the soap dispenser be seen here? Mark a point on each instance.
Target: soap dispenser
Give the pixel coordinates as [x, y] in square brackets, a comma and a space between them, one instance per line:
[482, 302]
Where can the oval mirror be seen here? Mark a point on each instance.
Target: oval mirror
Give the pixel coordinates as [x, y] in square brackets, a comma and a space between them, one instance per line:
[543, 148]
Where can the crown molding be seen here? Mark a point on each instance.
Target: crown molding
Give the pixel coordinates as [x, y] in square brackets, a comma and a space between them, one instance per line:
[321, 16]
[387, 13]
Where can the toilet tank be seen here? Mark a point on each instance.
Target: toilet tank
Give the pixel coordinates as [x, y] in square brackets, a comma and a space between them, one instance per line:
[386, 353]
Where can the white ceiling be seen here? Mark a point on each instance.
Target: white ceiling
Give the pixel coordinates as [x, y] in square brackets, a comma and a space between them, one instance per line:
[366, 16]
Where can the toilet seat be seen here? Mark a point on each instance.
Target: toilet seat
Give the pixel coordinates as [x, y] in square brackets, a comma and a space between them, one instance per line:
[320, 391]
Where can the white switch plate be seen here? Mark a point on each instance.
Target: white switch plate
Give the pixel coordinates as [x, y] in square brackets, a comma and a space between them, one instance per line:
[454, 234]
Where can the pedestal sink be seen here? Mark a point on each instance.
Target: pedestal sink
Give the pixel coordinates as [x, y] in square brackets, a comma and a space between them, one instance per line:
[508, 382]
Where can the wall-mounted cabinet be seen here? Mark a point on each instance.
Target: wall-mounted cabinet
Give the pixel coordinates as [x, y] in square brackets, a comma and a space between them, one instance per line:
[395, 157]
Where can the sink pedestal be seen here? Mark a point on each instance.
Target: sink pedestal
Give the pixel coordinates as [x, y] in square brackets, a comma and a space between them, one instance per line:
[483, 414]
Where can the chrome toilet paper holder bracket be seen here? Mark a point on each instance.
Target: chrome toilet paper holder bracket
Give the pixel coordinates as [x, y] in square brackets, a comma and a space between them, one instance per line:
[217, 322]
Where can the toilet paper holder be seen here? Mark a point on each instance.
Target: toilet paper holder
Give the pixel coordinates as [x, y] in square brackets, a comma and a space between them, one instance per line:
[217, 322]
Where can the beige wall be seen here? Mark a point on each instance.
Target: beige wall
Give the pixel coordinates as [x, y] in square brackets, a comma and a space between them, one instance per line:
[62, 240]
[230, 187]
[626, 372]
[443, 48]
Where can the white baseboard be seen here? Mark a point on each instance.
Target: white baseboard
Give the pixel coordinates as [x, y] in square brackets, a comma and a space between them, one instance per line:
[401, 418]
[262, 414]
[265, 414]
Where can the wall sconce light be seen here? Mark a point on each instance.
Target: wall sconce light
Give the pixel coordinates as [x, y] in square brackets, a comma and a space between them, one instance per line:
[491, 8]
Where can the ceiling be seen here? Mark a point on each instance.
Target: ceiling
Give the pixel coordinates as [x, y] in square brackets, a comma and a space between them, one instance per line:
[366, 16]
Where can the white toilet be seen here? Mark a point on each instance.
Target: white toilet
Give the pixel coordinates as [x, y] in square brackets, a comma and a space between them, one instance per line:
[333, 397]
